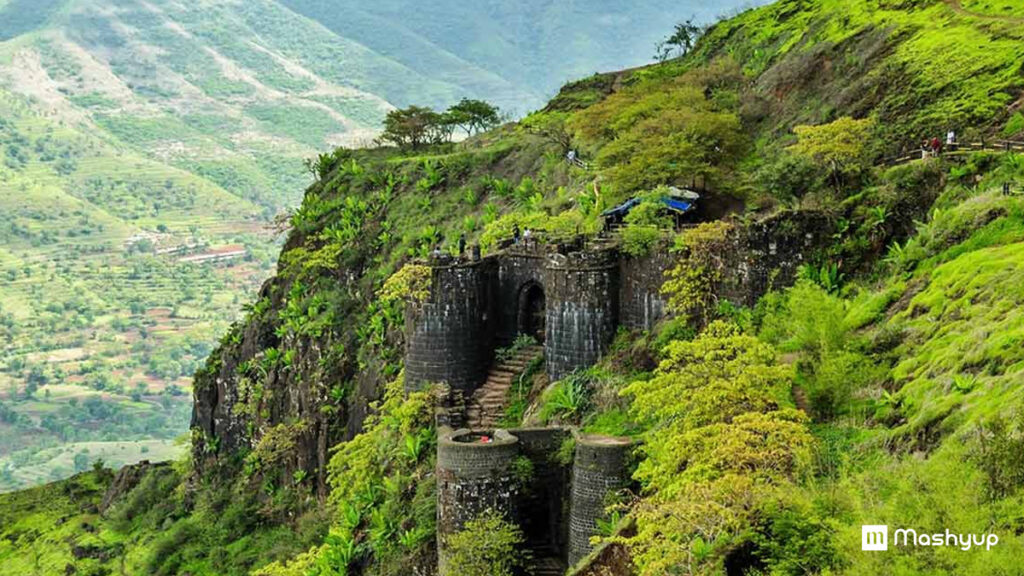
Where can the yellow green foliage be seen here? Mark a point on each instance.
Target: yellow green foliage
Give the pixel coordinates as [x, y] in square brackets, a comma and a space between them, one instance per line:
[840, 145]
[382, 493]
[660, 132]
[565, 225]
[488, 546]
[411, 283]
[929, 65]
[719, 441]
[690, 285]
[275, 446]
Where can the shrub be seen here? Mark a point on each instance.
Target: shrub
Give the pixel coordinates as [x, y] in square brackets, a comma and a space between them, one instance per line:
[718, 443]
[638, 239]
[488, 546]
[997, 450]
[790, 177]
[791, 538]
[690, 286]
[568, 399]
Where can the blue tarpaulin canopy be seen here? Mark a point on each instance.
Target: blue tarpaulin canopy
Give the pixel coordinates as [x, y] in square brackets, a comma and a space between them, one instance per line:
[675, 204]
[681, 206]
[622, 209]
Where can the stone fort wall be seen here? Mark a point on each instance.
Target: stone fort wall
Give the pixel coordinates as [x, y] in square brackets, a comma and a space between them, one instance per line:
[557, 506]
[589, 291]
[475, 306]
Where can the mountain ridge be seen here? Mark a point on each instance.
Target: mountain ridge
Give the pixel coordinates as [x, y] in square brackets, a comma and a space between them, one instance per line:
[142, 140]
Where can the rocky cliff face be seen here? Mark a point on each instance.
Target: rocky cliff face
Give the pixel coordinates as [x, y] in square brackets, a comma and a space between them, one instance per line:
[297, 376]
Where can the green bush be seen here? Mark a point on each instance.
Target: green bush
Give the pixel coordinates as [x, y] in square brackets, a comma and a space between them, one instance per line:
[488, 546]
[568, 399]
[997, 451]
[639, 239]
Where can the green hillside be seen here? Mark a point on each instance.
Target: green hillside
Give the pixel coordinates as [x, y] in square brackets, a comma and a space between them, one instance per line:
[101, 330]
[880, 388]
[138, 138]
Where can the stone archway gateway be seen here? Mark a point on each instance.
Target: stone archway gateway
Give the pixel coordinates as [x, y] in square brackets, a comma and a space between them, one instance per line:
[531, 316]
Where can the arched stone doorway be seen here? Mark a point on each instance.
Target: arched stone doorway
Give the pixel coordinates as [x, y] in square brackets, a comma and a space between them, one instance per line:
[531, 317]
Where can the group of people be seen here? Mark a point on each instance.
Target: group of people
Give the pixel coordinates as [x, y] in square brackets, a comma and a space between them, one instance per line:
[934, 146]
[526, 237]
[437, 253]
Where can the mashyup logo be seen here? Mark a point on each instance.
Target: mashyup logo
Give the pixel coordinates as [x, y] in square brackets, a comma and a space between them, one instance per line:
[875, 538]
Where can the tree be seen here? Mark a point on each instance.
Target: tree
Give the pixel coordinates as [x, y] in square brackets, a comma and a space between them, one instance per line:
[680, 42]
[840, 146]
[551, 126]
[474, 116]
[488, 546]
[413, 126]
[81, 462]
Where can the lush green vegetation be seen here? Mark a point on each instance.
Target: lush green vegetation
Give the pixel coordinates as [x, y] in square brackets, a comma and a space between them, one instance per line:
[879, 389]
[102, 330]
[133, 129]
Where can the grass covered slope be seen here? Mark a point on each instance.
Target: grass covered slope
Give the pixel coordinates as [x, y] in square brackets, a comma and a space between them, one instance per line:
[917, 394]
[920, 66]
[99, 334]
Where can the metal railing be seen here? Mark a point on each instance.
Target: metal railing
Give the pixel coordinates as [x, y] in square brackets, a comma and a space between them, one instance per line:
[959, 149]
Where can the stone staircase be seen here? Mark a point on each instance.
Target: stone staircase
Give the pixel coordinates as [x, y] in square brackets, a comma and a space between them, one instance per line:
[487, 405]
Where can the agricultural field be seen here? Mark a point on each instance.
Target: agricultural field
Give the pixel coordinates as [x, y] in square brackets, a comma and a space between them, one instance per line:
[112, 291]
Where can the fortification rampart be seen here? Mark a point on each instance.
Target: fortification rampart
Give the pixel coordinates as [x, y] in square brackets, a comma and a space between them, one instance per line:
[481, 472]
[574, 297]
[600, 468]
[473, 477]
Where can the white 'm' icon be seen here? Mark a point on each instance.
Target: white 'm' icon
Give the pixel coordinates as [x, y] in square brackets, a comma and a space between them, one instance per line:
[874, 537]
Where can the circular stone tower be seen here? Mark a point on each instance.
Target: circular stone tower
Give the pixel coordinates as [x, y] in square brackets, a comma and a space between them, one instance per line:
[474, 475]
[601, 467]
[448, 337]
[582, 309]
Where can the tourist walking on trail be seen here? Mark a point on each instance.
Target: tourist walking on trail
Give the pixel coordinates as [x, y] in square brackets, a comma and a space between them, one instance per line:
[951, 139]
[515, 233]
[571, 156]
[925, 149]
[527, 235]
[462, 244]
[936, 146]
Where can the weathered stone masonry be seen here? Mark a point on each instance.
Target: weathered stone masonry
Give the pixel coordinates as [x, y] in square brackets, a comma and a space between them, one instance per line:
[599, 469]
[585, 294]
[476, 306]
[450, 337]
[582, 309]
[475, 477]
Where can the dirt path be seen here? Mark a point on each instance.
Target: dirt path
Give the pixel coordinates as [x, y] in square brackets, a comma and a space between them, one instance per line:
[800, 399]
[958, 7]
